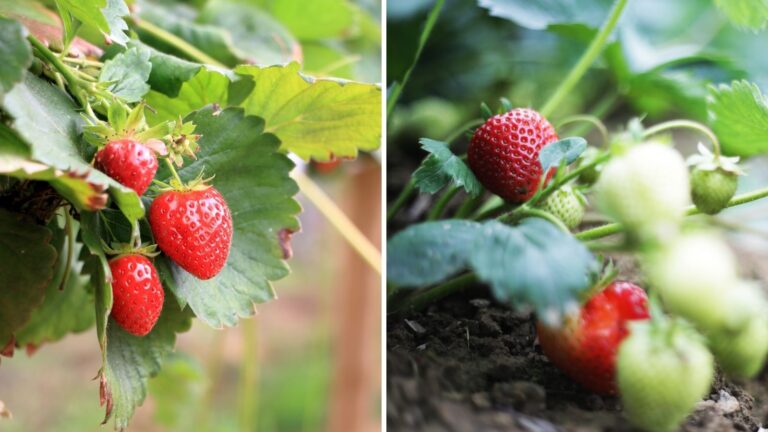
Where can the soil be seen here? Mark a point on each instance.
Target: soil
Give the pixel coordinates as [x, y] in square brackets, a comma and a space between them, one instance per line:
[469, 364]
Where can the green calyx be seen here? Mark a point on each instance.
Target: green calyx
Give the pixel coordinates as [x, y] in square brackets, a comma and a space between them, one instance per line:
[714, 180]
[124, 249]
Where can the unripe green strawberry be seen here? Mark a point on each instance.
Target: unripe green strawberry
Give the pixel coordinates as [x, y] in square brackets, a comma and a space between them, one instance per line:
[566, 204]
[664, 369]
[590, 175]
[741, 350]
[646, 189]
[693, 274]
[714, 179]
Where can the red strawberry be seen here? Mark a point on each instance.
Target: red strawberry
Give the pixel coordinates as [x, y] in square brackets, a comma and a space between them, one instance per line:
[504, 153]
[138, 294]
[129, 162]
[585, 347]
[194, 228]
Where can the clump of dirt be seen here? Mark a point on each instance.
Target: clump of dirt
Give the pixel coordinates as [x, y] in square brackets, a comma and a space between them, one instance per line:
[469, 364]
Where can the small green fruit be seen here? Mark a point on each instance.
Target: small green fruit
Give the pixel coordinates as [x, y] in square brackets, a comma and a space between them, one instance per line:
[741, 350]
[566, 204]
[664, 369]
[693, 273]
[714, 180]
[646, 189]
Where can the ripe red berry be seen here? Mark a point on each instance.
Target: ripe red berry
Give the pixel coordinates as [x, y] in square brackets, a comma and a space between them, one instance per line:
[504, 153]
[585, 347]
[137, 292]
[129, 162]
[194, 228]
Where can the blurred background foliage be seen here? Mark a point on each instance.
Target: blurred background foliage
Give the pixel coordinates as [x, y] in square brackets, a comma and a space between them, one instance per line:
[301, 339]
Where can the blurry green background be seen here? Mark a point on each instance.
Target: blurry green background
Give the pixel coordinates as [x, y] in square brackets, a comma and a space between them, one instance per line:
[309, 360]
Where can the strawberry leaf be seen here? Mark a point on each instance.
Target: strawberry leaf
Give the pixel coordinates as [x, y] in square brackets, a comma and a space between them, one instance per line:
[739, 117]
[68, 305]
[205, 88]
[318, 19]
[127, 74]
[132, 360]
[314, 118]
[246, 164]
[532, 264]
[442, 167]
[541, 14]
[568, 150]
[97, 267]
[28, 263]
[47, 120]
[748, 14]
[15, 52]
[104, 15]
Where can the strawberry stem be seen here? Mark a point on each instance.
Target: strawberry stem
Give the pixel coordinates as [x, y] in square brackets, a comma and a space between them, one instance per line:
[587, 59]
[587, 118]
[70, 236]
[176, 177]
[442, 202]
[686, 124]
[525, 211]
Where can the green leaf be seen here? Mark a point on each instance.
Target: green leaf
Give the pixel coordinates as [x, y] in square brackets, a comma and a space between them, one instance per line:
[247, 165]
[68, 21]
[442, 167]
[315, 118]
[179, 19]
[568, 149]
[15, 52]
[738, 115]
[540, 14]
[27, 268]
[168, 72]
[68, 306]
[127, 74]
[104, 15]
[15, 162]
[177, 390]
[132, 360]
[532, 264]
[256, 37]
[751, 14]
[427, 253]
[205, 88]
[47, 120]
[314, 20]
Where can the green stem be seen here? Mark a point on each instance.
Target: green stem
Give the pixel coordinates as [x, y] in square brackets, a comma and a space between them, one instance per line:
[558, 182]
[439, 207]
[686, 124]
[615, 228]
[188, 49]
[70, 233]
[339, 220]
[419, 299]
[172, 168]
[397, 89]
[75, 84]
[401, 199]
[526, 211]
[587, 118]
[468, 206]
[586, 60]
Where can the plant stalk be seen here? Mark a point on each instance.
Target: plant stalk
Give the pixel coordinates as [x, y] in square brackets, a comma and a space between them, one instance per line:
[587, 59]
[339, 220]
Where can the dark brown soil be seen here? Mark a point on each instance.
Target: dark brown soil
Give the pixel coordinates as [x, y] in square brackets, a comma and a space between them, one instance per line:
[468, 364]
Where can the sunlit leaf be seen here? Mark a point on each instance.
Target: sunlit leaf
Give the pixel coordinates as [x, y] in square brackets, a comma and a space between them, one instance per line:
[739, 117]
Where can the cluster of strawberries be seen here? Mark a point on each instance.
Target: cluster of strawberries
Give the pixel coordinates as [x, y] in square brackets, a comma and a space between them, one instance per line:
[191, 224]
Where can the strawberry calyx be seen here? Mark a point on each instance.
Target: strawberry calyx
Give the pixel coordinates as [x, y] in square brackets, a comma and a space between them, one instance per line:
[176, 184]
[706, 160]
[125, 123]
[123, 249]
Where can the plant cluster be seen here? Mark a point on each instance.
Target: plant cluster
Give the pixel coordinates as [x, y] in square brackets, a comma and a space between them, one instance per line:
[145, 177]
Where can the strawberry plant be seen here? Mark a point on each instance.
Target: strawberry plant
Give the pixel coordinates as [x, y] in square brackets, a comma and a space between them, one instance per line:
[527, 202]
[147, 167]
